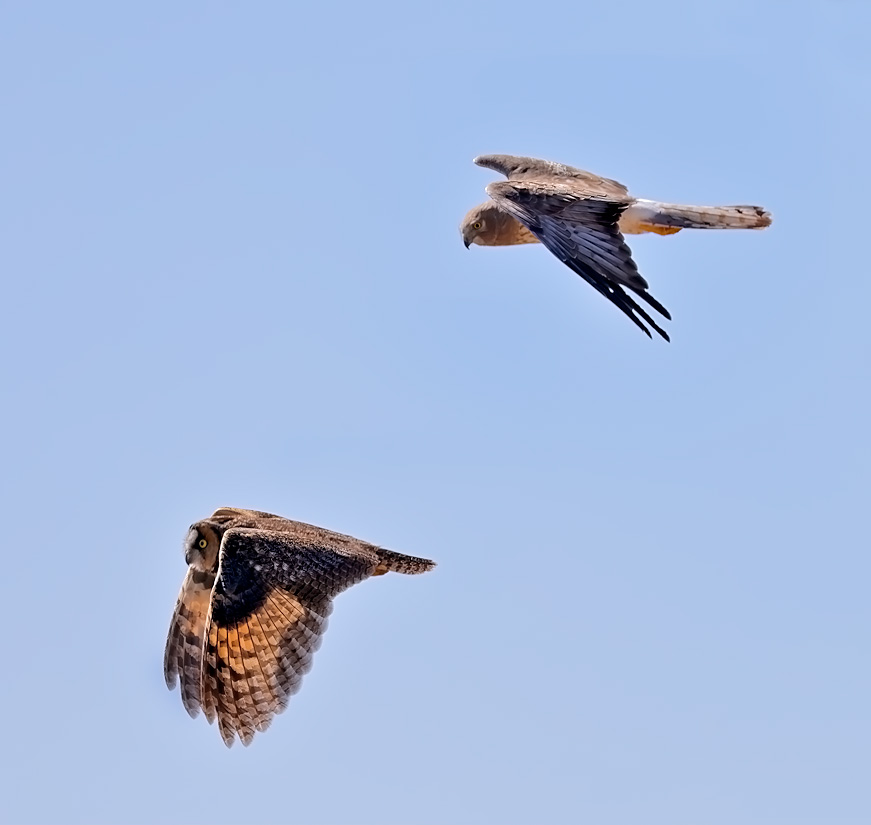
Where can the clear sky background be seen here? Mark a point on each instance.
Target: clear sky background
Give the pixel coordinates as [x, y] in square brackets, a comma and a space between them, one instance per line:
[232, 276]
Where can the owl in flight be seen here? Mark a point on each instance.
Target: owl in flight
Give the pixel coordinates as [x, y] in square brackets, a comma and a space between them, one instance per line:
[253, 607]
[581, 218]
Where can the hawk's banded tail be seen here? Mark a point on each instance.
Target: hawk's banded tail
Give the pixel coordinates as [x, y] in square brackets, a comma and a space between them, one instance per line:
[666, 218]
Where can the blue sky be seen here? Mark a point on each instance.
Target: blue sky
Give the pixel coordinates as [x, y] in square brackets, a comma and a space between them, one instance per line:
[233, 276]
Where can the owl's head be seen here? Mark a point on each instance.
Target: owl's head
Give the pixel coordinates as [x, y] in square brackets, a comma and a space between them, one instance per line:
[202, 544]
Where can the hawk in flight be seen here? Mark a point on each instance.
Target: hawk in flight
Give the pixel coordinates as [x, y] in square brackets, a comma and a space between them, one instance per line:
[581, 218]
[253, 608]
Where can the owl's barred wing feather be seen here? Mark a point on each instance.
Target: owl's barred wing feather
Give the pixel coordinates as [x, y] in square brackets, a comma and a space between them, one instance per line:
[298, 634]
[390, 561]
[269, 611]
[182, 658]
[582, 232]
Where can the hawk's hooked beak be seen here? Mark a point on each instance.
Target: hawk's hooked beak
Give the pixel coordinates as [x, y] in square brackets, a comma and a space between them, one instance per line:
[466, 242]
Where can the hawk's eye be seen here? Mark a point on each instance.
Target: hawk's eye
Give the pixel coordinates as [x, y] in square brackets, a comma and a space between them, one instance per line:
[476, 225]
[202, 544]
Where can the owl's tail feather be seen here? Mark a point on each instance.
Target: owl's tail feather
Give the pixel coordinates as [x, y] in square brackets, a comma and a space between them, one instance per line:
[392, 562]
[653, 216]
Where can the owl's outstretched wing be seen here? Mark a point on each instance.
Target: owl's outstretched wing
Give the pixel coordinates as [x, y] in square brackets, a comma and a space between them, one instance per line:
[580, 228]
[269, 611]
[182, 658]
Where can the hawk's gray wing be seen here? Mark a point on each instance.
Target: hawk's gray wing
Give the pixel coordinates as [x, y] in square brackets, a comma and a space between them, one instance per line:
[269, 609]
[183, 657]
[581, 230]
[515, 167]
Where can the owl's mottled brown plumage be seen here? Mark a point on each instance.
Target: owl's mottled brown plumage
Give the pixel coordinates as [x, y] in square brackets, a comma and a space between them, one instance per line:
[253, 608]
[581, 218]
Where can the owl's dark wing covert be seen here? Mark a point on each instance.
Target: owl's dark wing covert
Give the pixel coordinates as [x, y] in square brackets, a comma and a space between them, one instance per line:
[182, 658]
[269, 611]
[581, 230]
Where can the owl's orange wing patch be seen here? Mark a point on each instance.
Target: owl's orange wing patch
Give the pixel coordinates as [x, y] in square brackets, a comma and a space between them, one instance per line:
[182, 658]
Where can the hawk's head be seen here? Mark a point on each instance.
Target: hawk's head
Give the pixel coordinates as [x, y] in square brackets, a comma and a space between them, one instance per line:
[488, 225]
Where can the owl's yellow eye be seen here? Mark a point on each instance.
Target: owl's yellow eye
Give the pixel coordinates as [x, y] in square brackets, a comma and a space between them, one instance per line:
[202, 544]
[476, 225]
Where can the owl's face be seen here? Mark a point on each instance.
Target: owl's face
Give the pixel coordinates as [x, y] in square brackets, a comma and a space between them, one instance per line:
[201, 547]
